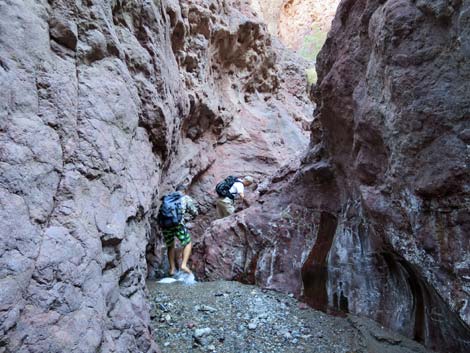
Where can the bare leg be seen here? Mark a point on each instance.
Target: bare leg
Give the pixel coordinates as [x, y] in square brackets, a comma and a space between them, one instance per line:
[171, 259]
[186, 254]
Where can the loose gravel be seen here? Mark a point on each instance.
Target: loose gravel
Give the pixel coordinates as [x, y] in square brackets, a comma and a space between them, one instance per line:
[235, 318]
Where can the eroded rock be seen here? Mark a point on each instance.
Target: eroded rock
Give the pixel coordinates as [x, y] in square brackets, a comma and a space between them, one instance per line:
[382, 191]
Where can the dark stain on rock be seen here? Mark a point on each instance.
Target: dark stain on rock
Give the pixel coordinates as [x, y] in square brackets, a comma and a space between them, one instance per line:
[315, 271]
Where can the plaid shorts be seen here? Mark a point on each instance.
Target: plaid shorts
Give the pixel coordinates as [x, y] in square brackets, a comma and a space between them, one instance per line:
[179, 232]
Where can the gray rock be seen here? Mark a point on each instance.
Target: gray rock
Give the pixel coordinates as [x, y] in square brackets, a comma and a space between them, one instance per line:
[200, 332]
[205, 308]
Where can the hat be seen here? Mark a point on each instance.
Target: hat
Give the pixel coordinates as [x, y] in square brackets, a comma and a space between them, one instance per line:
[249, 179]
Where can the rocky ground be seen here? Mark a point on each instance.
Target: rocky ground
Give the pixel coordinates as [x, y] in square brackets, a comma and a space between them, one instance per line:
[226, 316]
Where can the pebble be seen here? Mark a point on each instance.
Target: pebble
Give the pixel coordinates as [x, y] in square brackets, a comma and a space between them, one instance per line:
[199, 332]
[286, 334]
[205, 308]
[252, 325]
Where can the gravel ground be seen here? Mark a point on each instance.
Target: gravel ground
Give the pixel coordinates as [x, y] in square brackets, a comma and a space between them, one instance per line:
[232, 317]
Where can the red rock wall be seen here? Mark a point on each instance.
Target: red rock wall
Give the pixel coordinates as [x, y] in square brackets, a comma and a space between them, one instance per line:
[250, 112]
[374, 221]
[105, 106]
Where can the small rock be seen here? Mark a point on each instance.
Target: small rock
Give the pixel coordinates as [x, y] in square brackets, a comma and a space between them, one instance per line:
[190, 325]
[211, 347]
[287, 335]
[203, 341]
[202, 332]
[252, 325]
[205, 308]
[166, 344]
[263, 315]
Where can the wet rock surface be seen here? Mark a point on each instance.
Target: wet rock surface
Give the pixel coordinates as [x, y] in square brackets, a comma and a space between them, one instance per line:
[231, 317]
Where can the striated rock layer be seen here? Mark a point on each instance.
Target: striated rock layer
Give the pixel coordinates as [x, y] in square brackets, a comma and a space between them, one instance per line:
[375, 219]
[105, 105]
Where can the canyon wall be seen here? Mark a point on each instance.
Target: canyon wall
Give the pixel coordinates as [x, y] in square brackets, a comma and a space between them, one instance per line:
[294, 21]
[91, 107]
[105, 106]
[374, 220]
[108, 104]
[250, 113]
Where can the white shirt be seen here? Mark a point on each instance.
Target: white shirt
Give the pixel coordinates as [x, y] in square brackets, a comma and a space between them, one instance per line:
[237, 188]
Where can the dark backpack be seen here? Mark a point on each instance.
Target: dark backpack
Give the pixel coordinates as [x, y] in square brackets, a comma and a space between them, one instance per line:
[170, 213]
[223, 188]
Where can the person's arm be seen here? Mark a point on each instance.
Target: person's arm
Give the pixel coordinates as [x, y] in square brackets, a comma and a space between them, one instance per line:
[244, 200]
[241, 194]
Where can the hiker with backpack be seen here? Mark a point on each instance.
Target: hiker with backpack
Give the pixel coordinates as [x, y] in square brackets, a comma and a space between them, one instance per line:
[177, 208]
[228, 190]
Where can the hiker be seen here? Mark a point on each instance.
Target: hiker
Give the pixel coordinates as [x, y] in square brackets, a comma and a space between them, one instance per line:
[176, 209]
[228, 190]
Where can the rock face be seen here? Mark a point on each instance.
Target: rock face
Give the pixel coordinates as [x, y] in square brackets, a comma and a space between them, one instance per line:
[249, 113]
[104, 106]
[90, 102]
[301, 18]
[374, 220]
[293, 20]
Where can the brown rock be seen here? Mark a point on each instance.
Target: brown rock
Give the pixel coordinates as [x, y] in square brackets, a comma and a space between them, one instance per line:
[384, 184]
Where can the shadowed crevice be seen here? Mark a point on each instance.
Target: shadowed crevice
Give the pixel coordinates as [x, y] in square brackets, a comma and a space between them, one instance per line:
[315, 269]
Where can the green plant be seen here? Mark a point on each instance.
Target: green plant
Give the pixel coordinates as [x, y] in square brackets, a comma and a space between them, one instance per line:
[311, 75]
[312, 43]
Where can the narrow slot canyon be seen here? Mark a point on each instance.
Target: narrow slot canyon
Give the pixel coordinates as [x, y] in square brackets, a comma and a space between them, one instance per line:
[351, 116]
